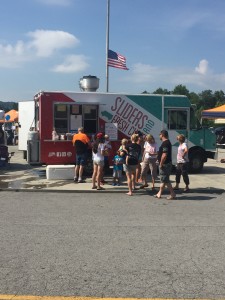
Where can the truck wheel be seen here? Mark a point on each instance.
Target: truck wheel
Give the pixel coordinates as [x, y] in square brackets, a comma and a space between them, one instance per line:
[196, 163]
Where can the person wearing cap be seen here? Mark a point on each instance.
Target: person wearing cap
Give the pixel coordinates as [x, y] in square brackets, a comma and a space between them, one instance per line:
[81, 142]
[165, 165]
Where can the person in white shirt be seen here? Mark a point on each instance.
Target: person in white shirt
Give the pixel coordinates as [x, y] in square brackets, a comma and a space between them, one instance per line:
[149, 161]
[182, 163]
[98, 151]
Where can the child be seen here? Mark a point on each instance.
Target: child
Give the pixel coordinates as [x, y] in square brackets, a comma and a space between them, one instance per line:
[117, 168]
[123, 151]
[122, 148]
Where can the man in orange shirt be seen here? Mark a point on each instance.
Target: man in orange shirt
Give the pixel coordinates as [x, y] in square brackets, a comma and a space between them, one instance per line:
[81, 142]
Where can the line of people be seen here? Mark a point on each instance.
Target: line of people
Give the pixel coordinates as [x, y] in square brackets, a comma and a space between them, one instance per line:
[135, 157]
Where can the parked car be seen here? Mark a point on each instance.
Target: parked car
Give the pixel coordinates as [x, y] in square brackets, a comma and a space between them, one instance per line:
[220, 135]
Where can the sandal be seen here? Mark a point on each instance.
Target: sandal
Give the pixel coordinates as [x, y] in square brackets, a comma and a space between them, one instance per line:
[171, 198]
[156, 196]
[100, 188]
[176, 188]
[143, 186]
[94, 187]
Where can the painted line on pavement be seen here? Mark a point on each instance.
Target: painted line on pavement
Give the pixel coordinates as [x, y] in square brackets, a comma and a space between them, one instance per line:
[30, 297]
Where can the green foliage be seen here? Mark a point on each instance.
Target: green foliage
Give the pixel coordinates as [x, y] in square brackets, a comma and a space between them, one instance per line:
[7, 106]
[161, 91]
[180, 90]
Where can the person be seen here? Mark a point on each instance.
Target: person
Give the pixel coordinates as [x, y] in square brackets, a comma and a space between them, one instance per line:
[182, 163]
[98, 151]
[108, 148]
[132, 157]
[141, 143]
[15, 134]
[123, 152]
[81, 142]
[117, 168]
[165, 165]
[123, 146]
[149, 161]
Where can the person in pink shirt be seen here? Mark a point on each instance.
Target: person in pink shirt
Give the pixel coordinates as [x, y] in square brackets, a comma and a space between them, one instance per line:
[182, 163]
[149, 161]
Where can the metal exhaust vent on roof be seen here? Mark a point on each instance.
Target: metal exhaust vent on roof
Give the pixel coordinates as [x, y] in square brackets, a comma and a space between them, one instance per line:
[89, 83]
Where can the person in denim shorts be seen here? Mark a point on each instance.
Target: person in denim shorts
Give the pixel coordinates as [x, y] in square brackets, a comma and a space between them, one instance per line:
[81, 142]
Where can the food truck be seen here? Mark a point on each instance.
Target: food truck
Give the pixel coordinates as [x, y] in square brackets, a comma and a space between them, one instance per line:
[119, 116]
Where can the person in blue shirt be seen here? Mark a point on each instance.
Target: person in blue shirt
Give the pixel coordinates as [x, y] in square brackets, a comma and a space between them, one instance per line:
[117, 169]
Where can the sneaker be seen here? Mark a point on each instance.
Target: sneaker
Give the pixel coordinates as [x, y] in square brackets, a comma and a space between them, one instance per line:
[75, 179]
[80, 181]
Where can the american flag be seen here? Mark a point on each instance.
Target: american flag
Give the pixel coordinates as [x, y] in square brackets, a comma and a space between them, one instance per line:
[116, 60]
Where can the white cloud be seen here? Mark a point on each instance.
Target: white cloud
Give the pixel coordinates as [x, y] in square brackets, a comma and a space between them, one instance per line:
[202, 67]
[72, 63]
[42, 43]
[45, 42]
[13, 56]
[153, 76]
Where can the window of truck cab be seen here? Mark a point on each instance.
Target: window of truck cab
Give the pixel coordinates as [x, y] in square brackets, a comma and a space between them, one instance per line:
[177, 119]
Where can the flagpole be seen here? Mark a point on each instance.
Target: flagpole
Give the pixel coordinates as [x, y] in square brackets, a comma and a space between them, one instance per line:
[107, 47]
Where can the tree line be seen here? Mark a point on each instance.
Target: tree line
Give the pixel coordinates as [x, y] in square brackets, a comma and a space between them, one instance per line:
[7, 106]
[207, 99]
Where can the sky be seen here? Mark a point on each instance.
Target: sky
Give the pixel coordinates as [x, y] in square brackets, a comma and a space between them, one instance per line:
[49, 45]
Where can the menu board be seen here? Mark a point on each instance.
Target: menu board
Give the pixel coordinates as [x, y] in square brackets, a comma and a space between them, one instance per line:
[111, 129]
[75, 122]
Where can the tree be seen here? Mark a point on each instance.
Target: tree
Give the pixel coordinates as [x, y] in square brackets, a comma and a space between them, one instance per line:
[220, 97]
[181, 90]
[161, 91]
[208, 99]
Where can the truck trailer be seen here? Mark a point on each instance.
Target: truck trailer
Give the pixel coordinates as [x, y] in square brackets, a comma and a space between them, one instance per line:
[119, 116]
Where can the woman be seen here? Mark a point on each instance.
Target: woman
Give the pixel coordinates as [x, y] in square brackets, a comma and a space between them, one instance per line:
[149, 161]
[182, 163]
[132, 157]
[98, 151]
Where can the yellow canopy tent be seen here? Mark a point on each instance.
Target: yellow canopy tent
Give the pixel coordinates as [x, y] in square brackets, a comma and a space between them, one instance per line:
[214, 113]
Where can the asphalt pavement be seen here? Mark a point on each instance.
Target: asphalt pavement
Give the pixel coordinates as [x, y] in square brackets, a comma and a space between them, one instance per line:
[18, 175]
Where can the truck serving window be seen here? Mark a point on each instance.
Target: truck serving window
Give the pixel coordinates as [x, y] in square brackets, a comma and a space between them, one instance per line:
[90, 113]
[60, 118]
[177, 119]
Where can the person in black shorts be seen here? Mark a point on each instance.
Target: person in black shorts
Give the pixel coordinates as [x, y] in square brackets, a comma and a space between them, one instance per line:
[165, 165]
[133, 153]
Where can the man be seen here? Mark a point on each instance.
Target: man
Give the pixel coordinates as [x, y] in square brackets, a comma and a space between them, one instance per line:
[165, 165]
[81, 142]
